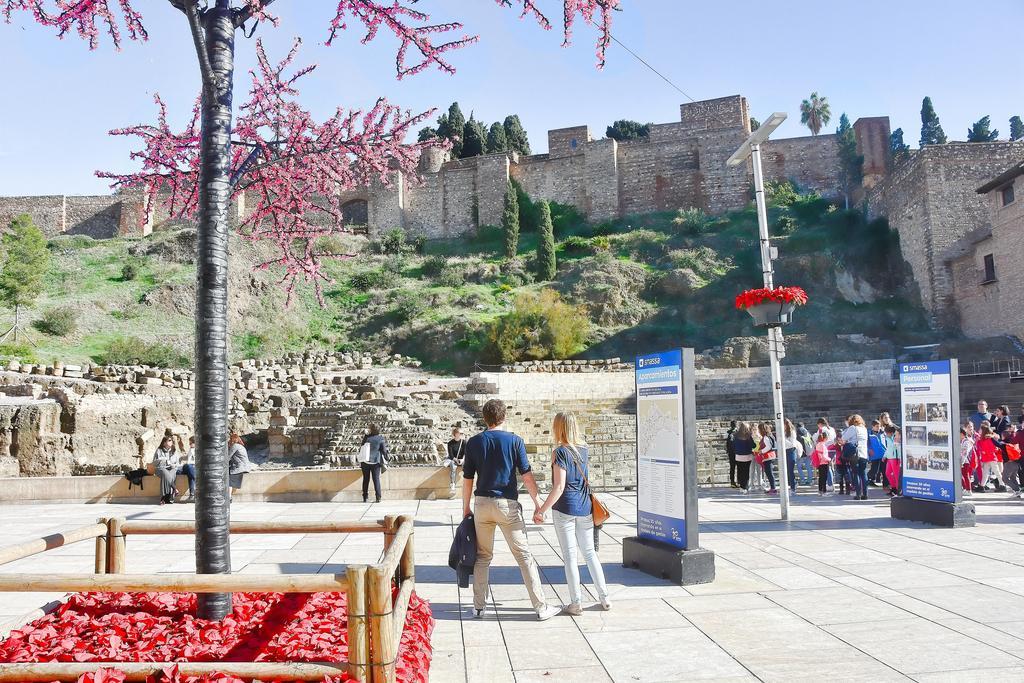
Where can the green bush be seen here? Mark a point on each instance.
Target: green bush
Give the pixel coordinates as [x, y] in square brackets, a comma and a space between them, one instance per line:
[452, 276]
[392, 242]
[433, 265]
[18, 352]
[135, 351]
[129, 271]
[540, 326]
[59, 322]
[566, 218]
[368, 279]
[692, 221]
[781, 193]
[640, 244]
[408, 305]
[67, 243]
[581, 246]
[785, 225]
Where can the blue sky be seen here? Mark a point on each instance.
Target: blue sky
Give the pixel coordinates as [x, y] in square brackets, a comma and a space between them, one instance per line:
[869, 58]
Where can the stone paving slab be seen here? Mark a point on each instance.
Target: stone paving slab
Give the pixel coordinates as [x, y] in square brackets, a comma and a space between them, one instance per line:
[840, 592]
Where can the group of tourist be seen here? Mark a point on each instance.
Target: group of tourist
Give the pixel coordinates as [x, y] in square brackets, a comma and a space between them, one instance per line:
[990, 450]
[845, 463]
[168, 464]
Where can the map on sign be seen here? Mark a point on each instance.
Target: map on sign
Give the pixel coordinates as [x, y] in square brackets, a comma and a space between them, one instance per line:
[658, 430]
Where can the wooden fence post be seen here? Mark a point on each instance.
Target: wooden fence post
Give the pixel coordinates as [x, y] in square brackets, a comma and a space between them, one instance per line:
[382, 634]
[358, 635]
[389, 531]
[101, 547]
[407, 564]
[115, 547]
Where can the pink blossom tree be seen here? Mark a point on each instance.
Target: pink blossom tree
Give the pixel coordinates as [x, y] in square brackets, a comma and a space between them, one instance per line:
[289, 163]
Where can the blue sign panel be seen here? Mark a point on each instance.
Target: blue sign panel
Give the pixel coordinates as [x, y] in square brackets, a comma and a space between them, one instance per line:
[931, 464]
[661, 513]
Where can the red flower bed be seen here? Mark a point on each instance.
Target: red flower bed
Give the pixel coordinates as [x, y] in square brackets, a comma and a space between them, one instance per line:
[781, 295]
[162, 627]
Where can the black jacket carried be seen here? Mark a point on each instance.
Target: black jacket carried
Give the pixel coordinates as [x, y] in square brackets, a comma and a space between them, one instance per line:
[462, 555]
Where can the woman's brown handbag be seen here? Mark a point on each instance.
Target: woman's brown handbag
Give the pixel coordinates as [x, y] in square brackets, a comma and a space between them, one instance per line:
[598, 510]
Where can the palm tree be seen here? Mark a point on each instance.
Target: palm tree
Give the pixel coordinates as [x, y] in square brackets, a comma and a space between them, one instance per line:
[815, 113]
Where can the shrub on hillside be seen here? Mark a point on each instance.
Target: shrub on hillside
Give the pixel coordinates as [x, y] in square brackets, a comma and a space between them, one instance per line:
[129, 272]
[366, 280]
[785, 225]
[408, 305]
[582, 246]
[540, 326]
[692, 221]
[433, 265]
[135, 351]
[392, 242]
[18, 352]
[640, 244]
[566, 218]
[59, 322]
[69, 243]
[704, 261]
[781, 193]
[452, 276]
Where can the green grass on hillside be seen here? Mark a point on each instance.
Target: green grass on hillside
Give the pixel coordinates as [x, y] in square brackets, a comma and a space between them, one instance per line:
[663, 279]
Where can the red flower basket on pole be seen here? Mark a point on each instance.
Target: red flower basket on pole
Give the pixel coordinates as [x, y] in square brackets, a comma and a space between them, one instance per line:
[771, 307]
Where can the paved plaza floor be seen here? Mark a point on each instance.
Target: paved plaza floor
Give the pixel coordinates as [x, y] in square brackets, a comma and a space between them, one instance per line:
[840, 592]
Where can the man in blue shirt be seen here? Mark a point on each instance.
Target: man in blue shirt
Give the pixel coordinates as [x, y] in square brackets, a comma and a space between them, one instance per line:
[493, 457]
[981, 416]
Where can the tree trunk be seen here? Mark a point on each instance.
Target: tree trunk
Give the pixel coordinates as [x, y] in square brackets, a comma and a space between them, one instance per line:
[213, 552]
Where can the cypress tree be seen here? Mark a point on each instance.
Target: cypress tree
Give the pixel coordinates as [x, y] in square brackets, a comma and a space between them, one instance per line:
[516, 135]
[451, 127]
[931, 129]
[497, 141]
[546, 265]
[474, 139]
[851, 164]
[510, 221]
[982, 131]
[1016, 128]
[899, 149]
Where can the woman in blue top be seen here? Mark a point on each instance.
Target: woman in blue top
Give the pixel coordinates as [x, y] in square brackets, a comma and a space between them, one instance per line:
[570, 500]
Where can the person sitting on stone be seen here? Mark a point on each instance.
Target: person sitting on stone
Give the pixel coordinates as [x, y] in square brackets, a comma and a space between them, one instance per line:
[189, 468]
[238, 461]
[165, 466]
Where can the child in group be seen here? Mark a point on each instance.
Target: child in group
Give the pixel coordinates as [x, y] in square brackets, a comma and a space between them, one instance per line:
[967, 460]
[892, 458]
[991, 457]
[821, 460]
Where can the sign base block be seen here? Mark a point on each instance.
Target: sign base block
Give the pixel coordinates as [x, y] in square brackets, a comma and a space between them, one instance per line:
[682, 567]
[932, 512]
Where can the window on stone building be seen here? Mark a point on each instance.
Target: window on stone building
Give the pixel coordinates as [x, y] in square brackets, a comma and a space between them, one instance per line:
[990, 269]
[573, 143]
[1007, 194]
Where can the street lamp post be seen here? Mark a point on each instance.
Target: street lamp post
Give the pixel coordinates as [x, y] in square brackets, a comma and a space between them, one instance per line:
[776, 349]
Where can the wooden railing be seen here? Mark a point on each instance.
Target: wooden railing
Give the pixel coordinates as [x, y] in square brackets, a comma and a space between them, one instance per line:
[376, 615]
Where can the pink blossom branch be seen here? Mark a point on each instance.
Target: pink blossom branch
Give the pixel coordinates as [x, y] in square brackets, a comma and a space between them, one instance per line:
[82, 16]
[402, 20]
[588, 9]
[292, 166]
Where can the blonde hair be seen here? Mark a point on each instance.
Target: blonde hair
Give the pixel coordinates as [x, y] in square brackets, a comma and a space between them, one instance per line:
[566, 429]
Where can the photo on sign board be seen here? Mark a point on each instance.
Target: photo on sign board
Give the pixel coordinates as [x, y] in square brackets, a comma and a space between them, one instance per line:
[919, 463]
[938, 412]
[938, 437]
[917, 436]
[939, 461]
[915, 412]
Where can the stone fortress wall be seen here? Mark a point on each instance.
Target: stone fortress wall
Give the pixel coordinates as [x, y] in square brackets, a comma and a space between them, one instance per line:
[680, 165]
[931, 200]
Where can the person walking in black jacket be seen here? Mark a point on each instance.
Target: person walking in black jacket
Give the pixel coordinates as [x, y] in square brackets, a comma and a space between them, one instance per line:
[378, 456]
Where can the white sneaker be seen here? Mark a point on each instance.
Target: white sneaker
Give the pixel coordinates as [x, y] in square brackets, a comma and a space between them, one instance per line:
[546, 612]
[575, 609]
[480, 613]
[606, 604]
